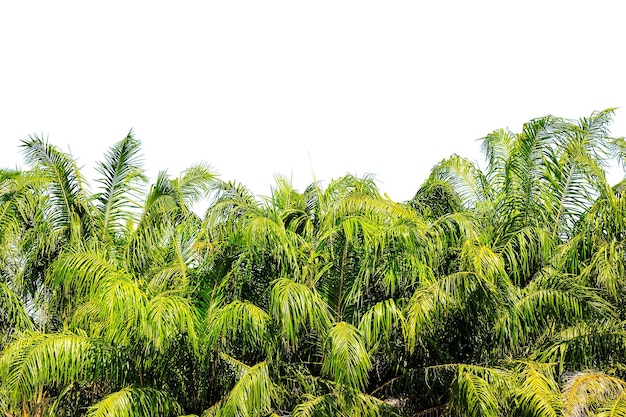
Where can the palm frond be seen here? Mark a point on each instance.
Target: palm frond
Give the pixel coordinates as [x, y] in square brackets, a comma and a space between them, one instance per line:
[482, 261]
[167, 317]
[606, 268]
[121, 174]
[194, 184]
[267, 233]
[12, 311]
[498, 148]
[465, 177]
[584, 390]
[379, 321]
[434, 301]
[436, 198]
[480, 391]
[312, 406]
[614, 407]
[344, 404]
[117, 312]
[551, 297]
[526, 252]
[240, 321]
[346, 361]
[586, 344]
[537, 391]
[157, 219]
[136, 402]
[252, 395]
[83, 272]
[36, 360]
[168, 278]
[569, 194]
[298, 309]
[66, 181]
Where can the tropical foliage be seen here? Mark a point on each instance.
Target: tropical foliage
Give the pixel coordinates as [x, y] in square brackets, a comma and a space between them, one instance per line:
[498, 290]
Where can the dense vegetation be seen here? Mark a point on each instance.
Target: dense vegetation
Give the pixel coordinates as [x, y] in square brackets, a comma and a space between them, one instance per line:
[493, 292]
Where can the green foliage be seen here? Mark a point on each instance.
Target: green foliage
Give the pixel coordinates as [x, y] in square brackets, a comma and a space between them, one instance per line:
[346, 360]
[121, 174]
[498, 290]
[133, 402]
[297, 307]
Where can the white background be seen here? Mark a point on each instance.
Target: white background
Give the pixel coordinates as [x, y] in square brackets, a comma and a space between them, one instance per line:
[312, 89]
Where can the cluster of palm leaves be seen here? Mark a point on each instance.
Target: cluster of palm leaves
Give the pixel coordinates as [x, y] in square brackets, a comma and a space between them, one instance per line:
[493, 292]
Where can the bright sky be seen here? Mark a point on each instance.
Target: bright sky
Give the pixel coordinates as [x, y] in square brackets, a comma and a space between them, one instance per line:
[257, 88]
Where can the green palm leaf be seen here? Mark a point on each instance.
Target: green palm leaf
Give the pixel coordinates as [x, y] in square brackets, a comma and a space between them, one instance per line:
[537, 392]
[36, 360]
[194, 184]
[241, 322]
[136, 402]
[12, 312]
[66, 182]
[346, 404]
[435, 301]
[252, 395]
[117, 312]
[83, 272]
[298, 309]
[550, 298]
[464, 176]
[346, 360]
[615, 408]
[586, 344]
[167, 317]
[480, 391]
[378, 322]
[121, 173]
